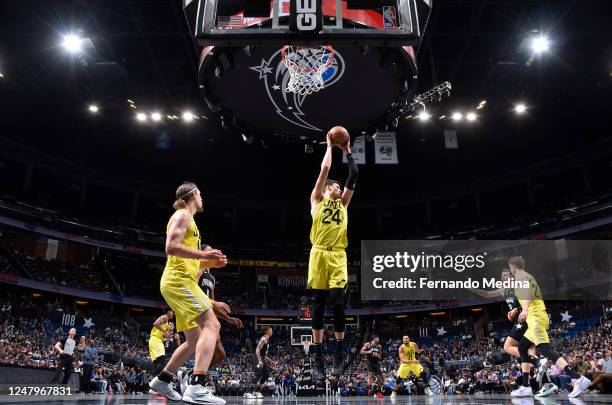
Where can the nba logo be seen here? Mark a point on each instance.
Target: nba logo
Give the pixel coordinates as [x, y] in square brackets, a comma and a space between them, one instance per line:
[390, 17]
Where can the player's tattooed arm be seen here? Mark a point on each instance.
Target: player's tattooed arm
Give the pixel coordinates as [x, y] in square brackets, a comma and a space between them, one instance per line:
[365, 349]
[262, 341]
[351, 180]
[317, 192]
[179, 224]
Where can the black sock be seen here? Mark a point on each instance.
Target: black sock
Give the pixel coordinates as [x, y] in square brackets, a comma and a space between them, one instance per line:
[198, 379]
[165, 377]
[339, 349]
[573, 374]
[318, 352]
[525, 379]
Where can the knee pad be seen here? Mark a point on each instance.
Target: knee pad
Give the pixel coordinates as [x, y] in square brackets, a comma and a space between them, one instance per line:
[548, 352]
[318, 308]
[336, 296]
[523, 349]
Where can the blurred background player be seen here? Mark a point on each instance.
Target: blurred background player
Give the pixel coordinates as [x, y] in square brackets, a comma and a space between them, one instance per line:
[408, 363]
[263, 371]
[327, 266]
[511, 342]
[373, 351]
[192, 308]
[156, 340]
[534, 313]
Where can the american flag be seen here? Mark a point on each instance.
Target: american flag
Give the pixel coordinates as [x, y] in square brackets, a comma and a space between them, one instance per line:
[229, 21]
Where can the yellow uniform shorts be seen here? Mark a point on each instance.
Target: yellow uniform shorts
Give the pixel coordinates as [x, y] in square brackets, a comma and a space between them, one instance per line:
[156, 347]
[327, 269]
[405, 370]
[537, 327]
[186, 299]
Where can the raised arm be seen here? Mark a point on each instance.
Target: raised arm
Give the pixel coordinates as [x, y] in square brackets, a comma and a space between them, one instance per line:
[159, 321]
[179, 223]
[351, 180]
[317, 192]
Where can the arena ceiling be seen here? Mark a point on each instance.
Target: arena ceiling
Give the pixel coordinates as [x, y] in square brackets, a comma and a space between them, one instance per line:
[141, 50]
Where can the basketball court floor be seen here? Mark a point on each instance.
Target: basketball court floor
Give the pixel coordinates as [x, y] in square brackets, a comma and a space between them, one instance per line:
[81, 399]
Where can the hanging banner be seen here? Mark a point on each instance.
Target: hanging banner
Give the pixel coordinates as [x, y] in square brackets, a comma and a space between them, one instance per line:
[52, 246]
[358, 151]
[450, 139]
[385, 149]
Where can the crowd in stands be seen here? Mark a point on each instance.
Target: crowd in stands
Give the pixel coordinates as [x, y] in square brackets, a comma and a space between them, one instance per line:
[122, 365]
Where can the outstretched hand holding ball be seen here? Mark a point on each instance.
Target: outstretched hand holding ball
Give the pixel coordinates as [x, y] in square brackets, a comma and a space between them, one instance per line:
[339, 136]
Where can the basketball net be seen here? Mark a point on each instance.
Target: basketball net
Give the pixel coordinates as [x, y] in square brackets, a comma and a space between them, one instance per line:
[306, 345]
[306, 67]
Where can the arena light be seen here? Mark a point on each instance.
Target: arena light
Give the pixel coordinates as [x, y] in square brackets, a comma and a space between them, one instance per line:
[400, 316]
[142, 117]
[188, 116]
[471, 117]
[540, 44]
[81, 302]
[36, 295]
[424, 116]
[520, 108]
[475, 309]
[156, 116]
[437, 313]
[481, 104]
[1, 75]
[441, 117]
[72, 43]
[93, 108]
[457, 116]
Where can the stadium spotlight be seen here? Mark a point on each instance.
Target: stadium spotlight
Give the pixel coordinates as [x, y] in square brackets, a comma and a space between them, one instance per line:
[72, 43]
[520, 108]
[156, 116]
[457, 116]
[470, 116]
[93, 108]
[188, 116]
[142, 117]
[1, 75]
[540, 44]
[424, 116]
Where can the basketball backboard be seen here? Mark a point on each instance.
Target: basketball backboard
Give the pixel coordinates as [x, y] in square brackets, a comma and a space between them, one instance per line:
[323, 22]
[367, 87]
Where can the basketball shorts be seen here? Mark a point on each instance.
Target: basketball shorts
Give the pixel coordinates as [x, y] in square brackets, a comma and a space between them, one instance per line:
[327, 269]
[374, 367]
[262, 373]
[156, 347]
[405, 370]
[537, 330]
[186, 299]
[517, 331]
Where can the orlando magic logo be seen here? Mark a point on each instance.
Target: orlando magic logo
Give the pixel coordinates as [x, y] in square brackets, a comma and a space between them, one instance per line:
[289, 106]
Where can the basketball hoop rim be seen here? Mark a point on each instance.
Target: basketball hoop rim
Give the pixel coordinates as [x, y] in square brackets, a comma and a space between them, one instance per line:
[294, 67]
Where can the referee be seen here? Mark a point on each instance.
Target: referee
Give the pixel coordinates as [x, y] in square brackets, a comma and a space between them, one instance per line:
[65, 349]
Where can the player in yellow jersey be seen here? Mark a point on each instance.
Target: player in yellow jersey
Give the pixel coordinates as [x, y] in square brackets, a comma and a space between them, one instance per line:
[327, 266]
[533, 311]
[408, 363]
[156, 339]
[194, 311]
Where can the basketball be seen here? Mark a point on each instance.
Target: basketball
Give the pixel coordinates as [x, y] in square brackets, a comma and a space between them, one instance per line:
[339, 136]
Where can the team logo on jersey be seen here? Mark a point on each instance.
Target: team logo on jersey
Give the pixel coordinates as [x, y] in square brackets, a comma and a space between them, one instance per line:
[289, 106]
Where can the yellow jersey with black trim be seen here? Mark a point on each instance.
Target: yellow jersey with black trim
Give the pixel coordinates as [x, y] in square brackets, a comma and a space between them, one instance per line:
[409, 351]
[533, 294]
[158, 333]
[179, 267]
[329, 224]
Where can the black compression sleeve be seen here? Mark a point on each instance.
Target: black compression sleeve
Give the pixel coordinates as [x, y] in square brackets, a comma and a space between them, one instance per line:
[352, 175]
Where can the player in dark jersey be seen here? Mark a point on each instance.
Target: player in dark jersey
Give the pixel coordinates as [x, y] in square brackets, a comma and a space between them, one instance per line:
[264, 364]
[172, 341]
[373, 351]
[511, 342]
